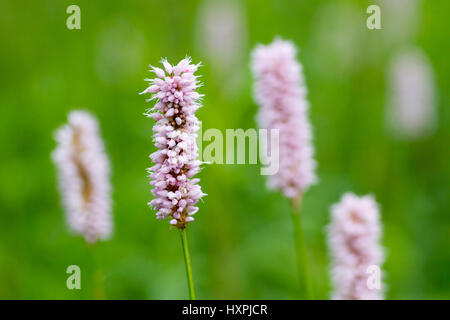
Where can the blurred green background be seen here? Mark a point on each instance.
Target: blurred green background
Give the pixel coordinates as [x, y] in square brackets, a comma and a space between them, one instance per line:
[241, 242]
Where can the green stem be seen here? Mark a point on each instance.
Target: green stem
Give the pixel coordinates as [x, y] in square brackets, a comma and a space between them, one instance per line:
[98, 289]
[300, 248]
[187, 260]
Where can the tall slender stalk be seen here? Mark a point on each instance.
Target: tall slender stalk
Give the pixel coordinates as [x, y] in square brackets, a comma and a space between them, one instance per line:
[98, 289]
[187, 261]
[300, 250]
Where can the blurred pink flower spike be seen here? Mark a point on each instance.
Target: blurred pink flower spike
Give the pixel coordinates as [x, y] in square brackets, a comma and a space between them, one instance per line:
[83, 169]
[354, 236]
[411, 112]
[280, 92]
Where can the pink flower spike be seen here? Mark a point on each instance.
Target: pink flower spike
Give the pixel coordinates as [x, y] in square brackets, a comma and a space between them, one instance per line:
[411, 112]
[280, 91]
[175, 189]
[83, 169]
[353, 237]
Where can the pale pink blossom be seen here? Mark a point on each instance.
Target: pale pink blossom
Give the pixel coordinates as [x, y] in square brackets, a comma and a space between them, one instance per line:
[281, 93]
[222, 32]
[83, 169]
[411, 112]
[354, 236]
[175, 189]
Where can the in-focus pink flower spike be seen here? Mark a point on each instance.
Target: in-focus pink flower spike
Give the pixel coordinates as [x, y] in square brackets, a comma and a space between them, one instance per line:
[175, 189]
[354, 241]
[83, 169]
[281, 93]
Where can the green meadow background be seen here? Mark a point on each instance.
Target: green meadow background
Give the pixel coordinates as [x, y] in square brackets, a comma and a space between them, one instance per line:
[241, 242]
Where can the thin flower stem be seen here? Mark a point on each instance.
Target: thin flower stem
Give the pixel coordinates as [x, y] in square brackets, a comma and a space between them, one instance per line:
[300, 248]
[187, 260]
[98, 289]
